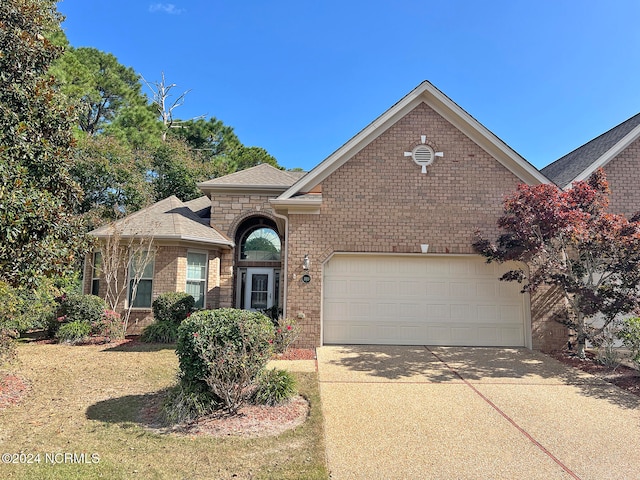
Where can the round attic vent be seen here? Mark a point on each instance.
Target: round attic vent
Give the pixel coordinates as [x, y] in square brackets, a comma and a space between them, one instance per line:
[422, 155]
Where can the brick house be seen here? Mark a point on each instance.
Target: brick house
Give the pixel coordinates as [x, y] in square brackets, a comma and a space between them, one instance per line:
[372, 246]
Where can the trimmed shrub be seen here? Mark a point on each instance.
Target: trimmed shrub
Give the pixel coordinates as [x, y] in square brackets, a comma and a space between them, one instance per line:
[173, 307]
[81, 308]
[225, 349]
[22, 309]
[275, 387]
[186, 403]
[160, 332]
[109, 326]
[286, 332]
[630, 336]
[73, 332]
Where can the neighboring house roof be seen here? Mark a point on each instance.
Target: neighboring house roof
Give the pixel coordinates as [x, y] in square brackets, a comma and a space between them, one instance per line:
[583, 161]
[261, 177]
[168, 219]
[443, 105]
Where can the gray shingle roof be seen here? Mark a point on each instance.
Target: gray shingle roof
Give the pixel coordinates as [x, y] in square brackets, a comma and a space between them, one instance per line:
[201, 206]
[564, 170]
[263, 175]
[168, 219]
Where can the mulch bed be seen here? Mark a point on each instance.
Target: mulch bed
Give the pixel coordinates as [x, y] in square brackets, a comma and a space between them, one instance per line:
[12, 389]
[622, 376]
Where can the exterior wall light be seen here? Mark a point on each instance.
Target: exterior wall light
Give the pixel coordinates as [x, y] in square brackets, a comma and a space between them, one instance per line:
[305, 262]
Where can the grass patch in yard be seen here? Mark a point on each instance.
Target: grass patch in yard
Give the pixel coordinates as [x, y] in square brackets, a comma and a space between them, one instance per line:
[95, 400]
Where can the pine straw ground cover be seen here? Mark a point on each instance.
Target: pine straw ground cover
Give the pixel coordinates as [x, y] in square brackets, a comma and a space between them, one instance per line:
[100, 403]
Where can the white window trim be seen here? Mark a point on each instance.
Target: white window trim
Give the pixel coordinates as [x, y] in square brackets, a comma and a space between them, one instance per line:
[95, 278]
[153, 274]
[206, 274]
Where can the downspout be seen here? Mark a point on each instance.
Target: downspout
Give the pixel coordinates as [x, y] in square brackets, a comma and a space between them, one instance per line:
[285, 277]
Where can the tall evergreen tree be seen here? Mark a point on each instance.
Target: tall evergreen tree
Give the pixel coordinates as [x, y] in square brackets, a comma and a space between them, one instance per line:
[39, 234]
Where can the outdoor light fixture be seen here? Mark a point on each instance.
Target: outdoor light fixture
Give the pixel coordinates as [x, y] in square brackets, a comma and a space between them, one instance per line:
[305, 262]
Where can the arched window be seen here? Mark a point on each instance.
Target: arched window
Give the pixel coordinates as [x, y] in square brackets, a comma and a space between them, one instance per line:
[261, 245]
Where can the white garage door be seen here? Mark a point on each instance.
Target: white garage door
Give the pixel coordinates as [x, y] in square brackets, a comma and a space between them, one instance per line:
[417, 300]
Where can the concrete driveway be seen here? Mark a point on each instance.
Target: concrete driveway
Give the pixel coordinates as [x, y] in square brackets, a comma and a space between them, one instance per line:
[472, 413]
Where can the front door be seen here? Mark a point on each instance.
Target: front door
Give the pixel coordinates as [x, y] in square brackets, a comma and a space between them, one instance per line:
[259, 289]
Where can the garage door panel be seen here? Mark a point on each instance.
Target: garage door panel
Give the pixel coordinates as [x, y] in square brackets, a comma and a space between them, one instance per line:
[459, 289]
[459, 313]
[436, 289]
[387, 288]
[437, 313]
[437, 267]
[461, 334]
[409, 310]
[511, 335]
[418, 300]
[439, 335]
[508, 313]
[410, 288]
[486, 313]
[334, 287]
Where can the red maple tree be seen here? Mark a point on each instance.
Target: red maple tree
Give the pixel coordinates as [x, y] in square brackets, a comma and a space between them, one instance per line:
[568, 240]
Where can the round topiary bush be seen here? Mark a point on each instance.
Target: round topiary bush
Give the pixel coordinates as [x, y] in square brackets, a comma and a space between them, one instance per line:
[88, 308]
[77, 308]
[224, 349]
[173, 307]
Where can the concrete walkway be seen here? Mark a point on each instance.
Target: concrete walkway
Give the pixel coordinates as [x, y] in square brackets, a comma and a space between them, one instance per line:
[472, 413]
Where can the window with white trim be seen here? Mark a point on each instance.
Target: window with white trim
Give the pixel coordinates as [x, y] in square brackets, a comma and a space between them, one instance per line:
[197, 277]
[96, 269]
[141, 270]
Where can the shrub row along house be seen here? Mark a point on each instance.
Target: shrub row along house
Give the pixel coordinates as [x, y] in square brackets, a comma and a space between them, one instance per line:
[373, 245]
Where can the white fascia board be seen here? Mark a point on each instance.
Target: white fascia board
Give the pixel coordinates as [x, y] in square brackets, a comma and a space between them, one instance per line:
[172, 239]
[242, 189]
[484, 138]
[358, 142]
[297, 205]
[449, 110]
[609, 155]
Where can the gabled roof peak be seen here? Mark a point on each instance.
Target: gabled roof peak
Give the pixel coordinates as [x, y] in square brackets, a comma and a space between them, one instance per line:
[448, 109]
[262, 175]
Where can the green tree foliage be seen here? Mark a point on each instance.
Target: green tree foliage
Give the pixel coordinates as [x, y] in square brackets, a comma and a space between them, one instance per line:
[175, 172]
[131, 151]
[211, 138]
[99, 84]
[39, 234]
[113, 176]
[246, 157]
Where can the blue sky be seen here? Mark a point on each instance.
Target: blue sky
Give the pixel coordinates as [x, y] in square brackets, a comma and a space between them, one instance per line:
[300, 78]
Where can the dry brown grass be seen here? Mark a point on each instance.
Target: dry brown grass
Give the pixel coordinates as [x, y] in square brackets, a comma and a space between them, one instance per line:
[95, 399]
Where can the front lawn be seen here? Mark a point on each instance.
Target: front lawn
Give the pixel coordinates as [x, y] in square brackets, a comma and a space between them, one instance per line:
[94, 402]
